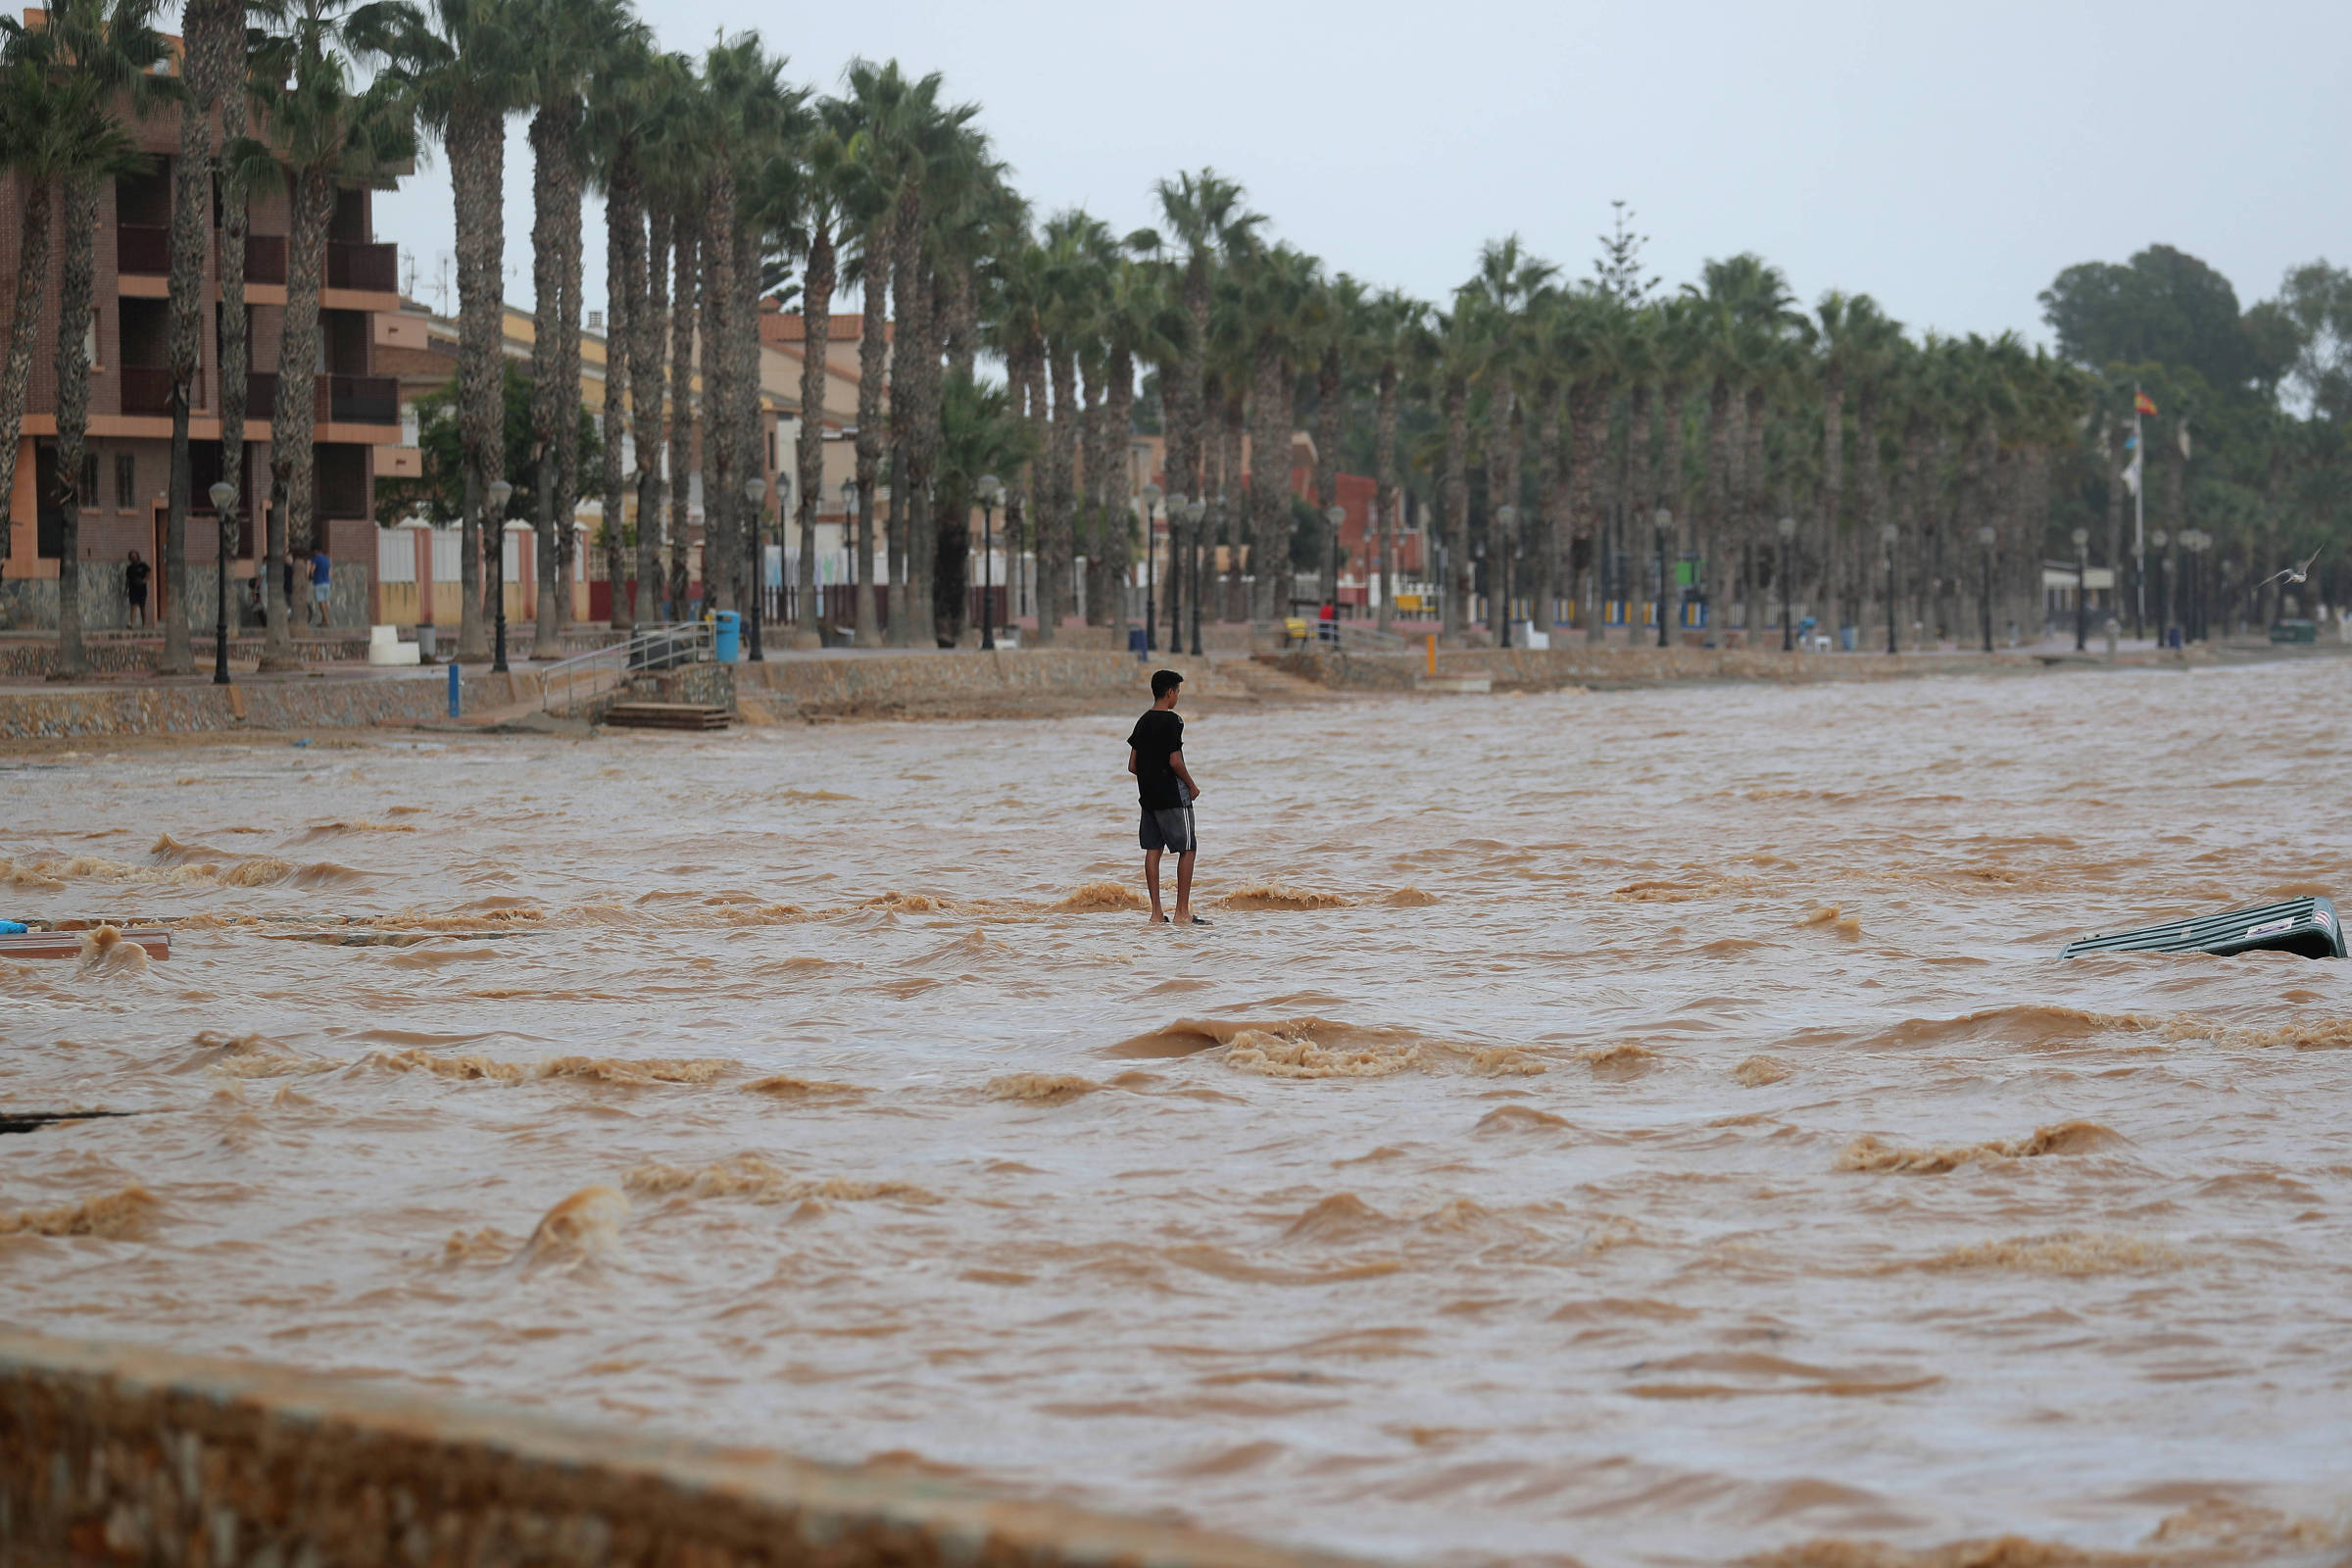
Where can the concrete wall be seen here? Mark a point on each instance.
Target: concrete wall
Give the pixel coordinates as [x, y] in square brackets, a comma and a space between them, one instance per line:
[917, 683]
[30, 604]
[114, 1454]
[266, 704]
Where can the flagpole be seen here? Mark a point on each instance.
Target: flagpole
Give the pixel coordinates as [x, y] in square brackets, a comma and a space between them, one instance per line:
[2139, 504]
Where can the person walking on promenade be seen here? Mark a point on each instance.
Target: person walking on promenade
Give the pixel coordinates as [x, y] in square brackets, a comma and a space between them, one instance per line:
[135, 573]
[322, 581]
[1165, 788]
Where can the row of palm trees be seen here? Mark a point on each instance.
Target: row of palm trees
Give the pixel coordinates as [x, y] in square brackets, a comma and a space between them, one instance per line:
[1554, 441]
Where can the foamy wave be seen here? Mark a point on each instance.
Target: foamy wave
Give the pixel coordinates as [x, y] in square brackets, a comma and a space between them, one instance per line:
[599, 1069]
[112, 1216]
[104, 952]
[1101, 896]
[584, 1226]
[1872, 1153]
[1040, 1089]
[251, 1055]
[1409, 899]
[783, 1086]
[1272, 896]
[1624, 1060]
[2064, 1253]
[1758, 1071]
[753, 1177]
[1844, 925]
[184, 865]
[1321, 1048]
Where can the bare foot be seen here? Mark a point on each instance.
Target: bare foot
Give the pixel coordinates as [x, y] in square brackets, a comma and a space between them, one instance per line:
[1157, 919]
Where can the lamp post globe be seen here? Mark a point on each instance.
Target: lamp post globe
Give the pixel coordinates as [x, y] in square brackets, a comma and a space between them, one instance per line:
[1787, 531]
[1888, 534]
[224, 502]
[500, 493]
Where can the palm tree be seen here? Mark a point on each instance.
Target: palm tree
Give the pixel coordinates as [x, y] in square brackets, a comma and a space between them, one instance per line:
[1077, 252]
[1499, 293]
[43, 118]
[99, 56]
[1449, 355]
[980, 432]
[465, 65]
[1339, 318]
[208, 70]
[324, 131]
[1276, 284]
[1392, 319]
[571, 42]
[620, 123]
[825, 193]
[1204, 222]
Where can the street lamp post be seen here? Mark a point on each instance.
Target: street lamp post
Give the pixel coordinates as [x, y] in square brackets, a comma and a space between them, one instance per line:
[1985, 537]
[1151, 498]
[1499, 577]
[755, 491]
[1194, 510]
[1174, 512]
[1336, 515]
[224, 503]
[500, 491]
[1787, 634]
[2158, 539]
[2082, 541]
[1661, 519]
[1888, 534]
[992, 491]
[848, 538]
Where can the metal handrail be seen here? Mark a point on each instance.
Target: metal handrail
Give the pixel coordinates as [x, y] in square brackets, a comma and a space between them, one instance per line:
[584, 677]
[1357, 639]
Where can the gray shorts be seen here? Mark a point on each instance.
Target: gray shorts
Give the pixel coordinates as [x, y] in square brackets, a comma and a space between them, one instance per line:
[1170, 829]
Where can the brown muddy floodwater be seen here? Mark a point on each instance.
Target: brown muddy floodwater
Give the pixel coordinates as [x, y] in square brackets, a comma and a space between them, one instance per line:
[1634, 1128]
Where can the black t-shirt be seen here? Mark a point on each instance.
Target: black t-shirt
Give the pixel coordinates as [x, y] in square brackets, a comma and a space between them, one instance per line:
[134, 581]
[1157, 734]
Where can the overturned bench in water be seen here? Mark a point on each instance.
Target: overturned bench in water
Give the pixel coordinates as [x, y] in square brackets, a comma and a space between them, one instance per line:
[2308, 926]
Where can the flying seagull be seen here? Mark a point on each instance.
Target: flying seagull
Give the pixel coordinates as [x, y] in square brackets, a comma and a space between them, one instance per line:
[2295, 573]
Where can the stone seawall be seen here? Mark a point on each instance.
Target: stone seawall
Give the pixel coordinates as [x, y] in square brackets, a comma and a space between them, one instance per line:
[261, 705]
[968, 682]
[116, 1454]
[1549, 668]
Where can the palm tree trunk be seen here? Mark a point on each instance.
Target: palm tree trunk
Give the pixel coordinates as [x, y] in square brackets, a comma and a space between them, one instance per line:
[1833, 475]
[228, 49]
[1556, 518]
[1270, 417]
[1116, 498]
[816, 322]
[720, 566]
[1715, 527]
[685, 411]
[476, 140]
[1863, 584]
[75, 281]
[623, 238]
[650, 408]
[565, 568]
[35, 234]
[1094, 508]
[905, 406]
[1456, 503]
[191, 219]
[1752, 529]
[1232, 494]
[873, 354]
[550, 138]
[751, 461]
[293, 426]
[1331, 407]
[1041, 465]
[1384, 477]
[922, 457]
[1057, 526]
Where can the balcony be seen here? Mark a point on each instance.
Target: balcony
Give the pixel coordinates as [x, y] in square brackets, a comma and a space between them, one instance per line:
[360, 399]
[146, 388]
[340, 398]
[375, 267]
[265, 257]
[141, 250]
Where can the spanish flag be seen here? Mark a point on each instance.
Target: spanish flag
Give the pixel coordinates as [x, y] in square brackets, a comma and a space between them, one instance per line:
[2142, 403]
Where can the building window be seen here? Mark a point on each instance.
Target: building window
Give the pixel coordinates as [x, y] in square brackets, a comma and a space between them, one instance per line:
[126, 482]
[90, 480]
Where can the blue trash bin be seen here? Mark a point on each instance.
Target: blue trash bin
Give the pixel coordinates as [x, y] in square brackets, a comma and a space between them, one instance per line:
[727, 643]
[1134, 641]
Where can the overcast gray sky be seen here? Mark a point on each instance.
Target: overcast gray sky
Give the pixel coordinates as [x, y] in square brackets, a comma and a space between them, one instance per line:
[1948, 159]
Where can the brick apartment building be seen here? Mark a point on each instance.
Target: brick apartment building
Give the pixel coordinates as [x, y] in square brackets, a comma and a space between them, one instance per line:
[126, 475]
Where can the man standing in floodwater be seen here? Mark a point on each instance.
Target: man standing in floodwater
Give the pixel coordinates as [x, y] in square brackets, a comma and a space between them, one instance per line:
[1165, 787]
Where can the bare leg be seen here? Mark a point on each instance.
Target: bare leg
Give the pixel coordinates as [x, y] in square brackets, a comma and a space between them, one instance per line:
[1151, 881]
[1184, 889]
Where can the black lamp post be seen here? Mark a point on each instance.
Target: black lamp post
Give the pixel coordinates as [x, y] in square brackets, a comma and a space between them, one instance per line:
[1336, 515]
[1985, 537]
[1888, 534]
[2082, 581]
[849, 534]
[992, 491]
[1662, 521]
[224, 502]
[1151, 497]
[1787, 633]
[500, 491]
[2159, 538]
[1175, 594]
[755, 491]
[1194, 510]
[1499, 575]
